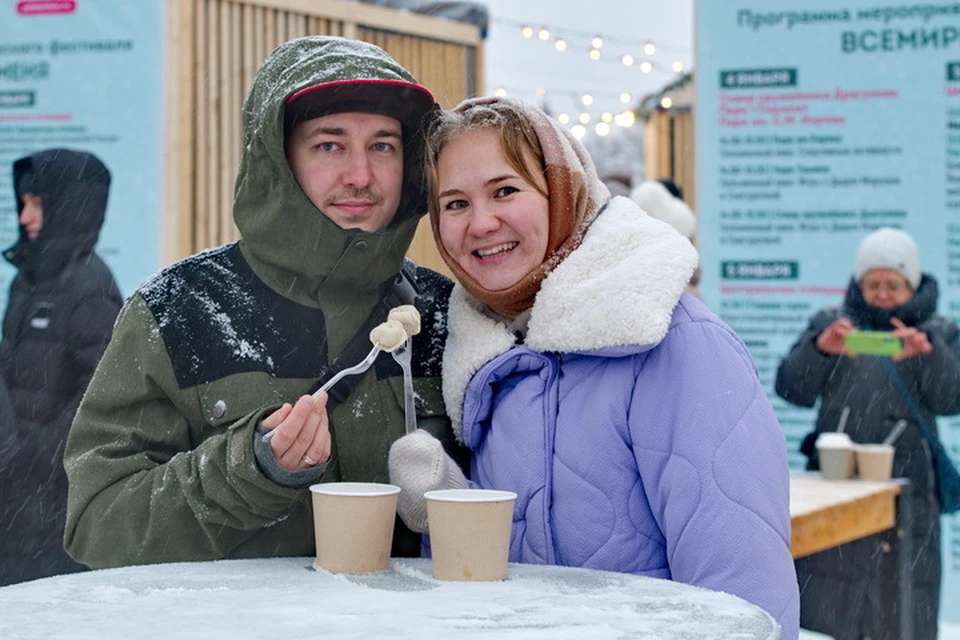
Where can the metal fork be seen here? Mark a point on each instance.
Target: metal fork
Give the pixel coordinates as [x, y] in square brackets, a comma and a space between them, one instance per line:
[360, 367]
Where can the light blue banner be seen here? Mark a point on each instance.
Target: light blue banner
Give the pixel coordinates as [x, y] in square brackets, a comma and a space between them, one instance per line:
[88, 75]
[817, 122]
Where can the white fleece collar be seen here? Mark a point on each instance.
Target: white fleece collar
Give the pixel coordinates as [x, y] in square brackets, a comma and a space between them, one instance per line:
[617, 289]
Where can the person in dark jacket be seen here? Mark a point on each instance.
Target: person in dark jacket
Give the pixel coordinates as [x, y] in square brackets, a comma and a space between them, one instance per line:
[60, 313]
[167, 451]
[8, 430]
[851, 591]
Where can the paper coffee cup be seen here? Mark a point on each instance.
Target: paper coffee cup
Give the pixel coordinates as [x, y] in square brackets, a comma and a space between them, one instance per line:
[470, 533]
[353, 524]
[875, 461]
[837, 458]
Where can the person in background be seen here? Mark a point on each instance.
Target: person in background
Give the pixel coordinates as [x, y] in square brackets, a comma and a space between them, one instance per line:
[167, 452]
[851, 591]
[663, 200]
[569, 331]
[60, 313]
[8, 429]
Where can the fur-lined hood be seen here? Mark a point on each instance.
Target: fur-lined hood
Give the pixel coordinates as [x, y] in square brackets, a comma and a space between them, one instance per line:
[613, 296]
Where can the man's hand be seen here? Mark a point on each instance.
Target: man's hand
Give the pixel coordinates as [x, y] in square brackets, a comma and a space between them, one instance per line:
[302, 438]
[831, 342]
[915, 342]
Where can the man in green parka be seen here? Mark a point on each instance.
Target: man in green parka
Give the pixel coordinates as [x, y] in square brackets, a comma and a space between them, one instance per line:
[165, 459]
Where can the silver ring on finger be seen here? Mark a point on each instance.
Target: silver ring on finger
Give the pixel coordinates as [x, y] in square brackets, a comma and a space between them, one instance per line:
[310, 462]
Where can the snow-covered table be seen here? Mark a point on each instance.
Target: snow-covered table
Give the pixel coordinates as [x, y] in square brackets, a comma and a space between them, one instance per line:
[287, 598]
[825, 513]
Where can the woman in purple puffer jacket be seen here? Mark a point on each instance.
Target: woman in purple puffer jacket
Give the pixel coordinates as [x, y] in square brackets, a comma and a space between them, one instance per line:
[625, 415]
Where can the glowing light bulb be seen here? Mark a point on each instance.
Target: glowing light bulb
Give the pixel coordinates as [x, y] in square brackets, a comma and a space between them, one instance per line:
[646, 66]
[624, 97]
[649, 48]
[607, 117]
[544, 33]
[563, 118]
[527, 32]
[602, 129]
[626, 119]
[584, 118]
[597, 42]
[586, 99]
[578, 131]
[560, 44]
[677, 66]
[666, 102]
[627, 60]
[500, 93]
[595, 54]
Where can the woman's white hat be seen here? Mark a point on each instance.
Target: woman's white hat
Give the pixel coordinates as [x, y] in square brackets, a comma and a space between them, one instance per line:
[889, 248]
[654, 198]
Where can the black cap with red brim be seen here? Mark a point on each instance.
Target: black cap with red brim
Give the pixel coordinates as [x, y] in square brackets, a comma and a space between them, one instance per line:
[406, 101]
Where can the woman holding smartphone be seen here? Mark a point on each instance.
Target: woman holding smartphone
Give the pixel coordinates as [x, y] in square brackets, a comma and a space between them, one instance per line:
[851, 591]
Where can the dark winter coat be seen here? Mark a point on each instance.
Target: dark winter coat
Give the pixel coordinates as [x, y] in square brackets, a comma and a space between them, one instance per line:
[8, 430]
[851, 591]
[61, 309]
[161, 454]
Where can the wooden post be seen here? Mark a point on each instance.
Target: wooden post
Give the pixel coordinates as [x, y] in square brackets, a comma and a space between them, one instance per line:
[224, 83]
[177, 198]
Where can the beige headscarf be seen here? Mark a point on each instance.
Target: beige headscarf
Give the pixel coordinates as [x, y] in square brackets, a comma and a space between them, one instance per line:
[575, 195]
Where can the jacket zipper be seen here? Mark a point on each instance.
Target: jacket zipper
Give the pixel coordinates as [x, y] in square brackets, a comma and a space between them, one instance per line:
[549, 409]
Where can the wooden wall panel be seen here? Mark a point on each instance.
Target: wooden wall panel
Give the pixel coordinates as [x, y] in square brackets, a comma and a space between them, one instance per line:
[211, 149]
[668, 140]
[685, 160]
[180, 121]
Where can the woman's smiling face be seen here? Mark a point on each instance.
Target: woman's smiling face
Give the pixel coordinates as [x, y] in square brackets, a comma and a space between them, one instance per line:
[492, 222]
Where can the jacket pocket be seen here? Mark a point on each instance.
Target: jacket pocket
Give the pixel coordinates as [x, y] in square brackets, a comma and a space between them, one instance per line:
[225, 401]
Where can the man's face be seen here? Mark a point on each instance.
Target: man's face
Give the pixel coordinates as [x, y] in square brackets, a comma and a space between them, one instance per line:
[350, 165]
[31, 216]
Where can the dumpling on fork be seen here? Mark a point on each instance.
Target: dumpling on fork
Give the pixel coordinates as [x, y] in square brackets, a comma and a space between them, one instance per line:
[389, 335]
[408, 316]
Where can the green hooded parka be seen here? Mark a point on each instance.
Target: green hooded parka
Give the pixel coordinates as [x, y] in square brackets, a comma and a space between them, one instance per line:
[160, 458]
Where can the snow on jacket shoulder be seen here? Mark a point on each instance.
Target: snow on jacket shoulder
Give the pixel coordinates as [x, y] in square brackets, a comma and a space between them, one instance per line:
[631, 423]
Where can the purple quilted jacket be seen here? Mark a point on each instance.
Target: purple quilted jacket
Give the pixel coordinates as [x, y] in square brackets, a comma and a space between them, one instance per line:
[630, 422]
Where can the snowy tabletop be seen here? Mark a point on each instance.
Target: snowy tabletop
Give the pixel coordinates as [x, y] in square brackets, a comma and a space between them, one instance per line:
[810, 492]
[287, 598]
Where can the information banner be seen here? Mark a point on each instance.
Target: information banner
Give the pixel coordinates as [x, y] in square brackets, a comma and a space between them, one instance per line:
[816, 124]
[87, 75]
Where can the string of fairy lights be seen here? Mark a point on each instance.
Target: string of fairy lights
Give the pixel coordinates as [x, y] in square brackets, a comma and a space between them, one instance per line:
[578, 122]
[648, 56]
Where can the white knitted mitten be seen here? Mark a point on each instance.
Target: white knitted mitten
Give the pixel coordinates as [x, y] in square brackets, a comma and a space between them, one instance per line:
[419, 464]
